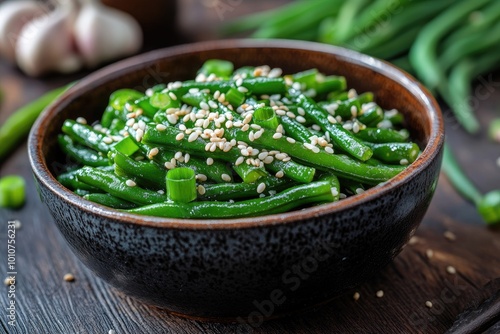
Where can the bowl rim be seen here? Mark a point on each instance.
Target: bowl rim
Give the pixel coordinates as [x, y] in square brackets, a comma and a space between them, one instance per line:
[115, 70]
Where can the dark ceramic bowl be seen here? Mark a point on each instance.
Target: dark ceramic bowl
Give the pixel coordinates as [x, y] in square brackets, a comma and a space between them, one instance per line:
[249, 267]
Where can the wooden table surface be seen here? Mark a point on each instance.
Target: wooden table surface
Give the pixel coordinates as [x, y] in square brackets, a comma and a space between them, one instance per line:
[45, 303]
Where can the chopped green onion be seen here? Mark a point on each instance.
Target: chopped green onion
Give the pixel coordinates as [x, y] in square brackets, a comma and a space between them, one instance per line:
[235, 97]
[126, 146]
[121, 97]
[249, 173]
[221, 68]
[266, 117]
[181, 185]
[306, 77]
[163, 101]
[12, 191]
[489, 207]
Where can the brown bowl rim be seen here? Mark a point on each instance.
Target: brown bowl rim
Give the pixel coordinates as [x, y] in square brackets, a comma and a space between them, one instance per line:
[118, 69]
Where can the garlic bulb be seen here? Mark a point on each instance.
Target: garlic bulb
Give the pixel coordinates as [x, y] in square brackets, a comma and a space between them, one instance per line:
[46, 44]
[103, 34]
[13, 16]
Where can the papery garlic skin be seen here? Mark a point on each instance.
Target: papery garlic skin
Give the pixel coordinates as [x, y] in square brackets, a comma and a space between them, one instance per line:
[13, 16]
[46, 43]
[103, 34]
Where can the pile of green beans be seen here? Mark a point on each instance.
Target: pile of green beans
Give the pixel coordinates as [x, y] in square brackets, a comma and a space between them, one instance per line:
[447, 44]
[257, 142]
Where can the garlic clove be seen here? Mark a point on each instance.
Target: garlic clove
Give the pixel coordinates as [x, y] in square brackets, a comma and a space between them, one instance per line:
[46, 43]
[13, 16]
[103, 34]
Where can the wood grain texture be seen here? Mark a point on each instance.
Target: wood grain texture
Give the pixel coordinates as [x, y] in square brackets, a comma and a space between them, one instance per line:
[45, 303]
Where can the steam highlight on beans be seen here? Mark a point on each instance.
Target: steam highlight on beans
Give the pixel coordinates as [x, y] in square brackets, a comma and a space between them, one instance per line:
[235, 143]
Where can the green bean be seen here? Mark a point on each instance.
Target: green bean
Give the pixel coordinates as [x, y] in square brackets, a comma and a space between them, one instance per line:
[235, 191]
[70, 181]
[378, 135]
[167, 138]
[109, 200]
[17, 126]
[395, 153]
[423, 53]
[471, 45]
[296, 130]
[315, 192]
[478, 21]
[340, 164]
[341, 136]
[145, 173]
[414, 14]
[346, 18]
[86, 135]
[118, 186]
[397, 46]
[80, 153]
[488, 205]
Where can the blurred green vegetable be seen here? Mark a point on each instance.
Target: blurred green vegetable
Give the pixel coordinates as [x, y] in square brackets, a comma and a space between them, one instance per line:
[17, 126]
[12, 191]
[488, 205]
[446, 43]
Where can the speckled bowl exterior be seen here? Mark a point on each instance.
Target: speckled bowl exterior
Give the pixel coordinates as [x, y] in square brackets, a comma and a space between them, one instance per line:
[253, 268]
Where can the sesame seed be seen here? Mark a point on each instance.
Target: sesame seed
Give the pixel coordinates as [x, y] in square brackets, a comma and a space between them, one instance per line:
[111, 331]
[451, 270]
[160, 127]
[210, 161]
[172, 96]
[69, 277]
[247, 119]
[277, 135]
[169, 165]
[347, 126]
[316, 127]
[354, 111]
[193, 136]
[403, 162]
[429, 253]
[290, 114]
[161, 192]
[107, 140]
[359, 190]
[356, 296]
[274, 73]
[187, 156]
[352, 93]
[251, 136]
[450, 235]
[380, 293]
[153, 152]
[177, 155]
[290, 140]
[201, 189]
[355, 127]
[242, 89]
[428, 304]
[255, 126]
[498, 162]
[177, 84]
[130, 122]
[212, 104]
[204, 105]
[239, 161]
[245, 127]
[225, 177]
[138, 135]
[269, 159]
[239, 82]
[280, 112]
[280, 156]
[258, 134]
[279, 174]
[335, 192]
[261, 187]
[328, 149]
[342, 196]
[201, 177]
[179, 136]
[300, 119]
[413, 240]
[331, 119]
[130, 183]
[81, 120]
